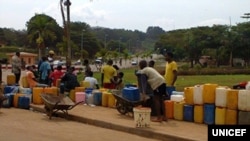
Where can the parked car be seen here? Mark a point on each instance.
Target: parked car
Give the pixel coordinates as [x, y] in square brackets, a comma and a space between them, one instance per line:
[98, 61]
[78, 62]
[134, 63]
[58, 62]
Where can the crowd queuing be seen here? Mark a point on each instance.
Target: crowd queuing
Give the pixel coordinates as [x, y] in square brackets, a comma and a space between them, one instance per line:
[151, 83]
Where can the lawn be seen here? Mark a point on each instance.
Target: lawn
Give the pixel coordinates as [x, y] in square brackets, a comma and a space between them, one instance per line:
[188, 80]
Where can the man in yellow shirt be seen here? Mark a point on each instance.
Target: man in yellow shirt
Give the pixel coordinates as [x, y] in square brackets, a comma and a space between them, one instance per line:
[107, 73]
[170, 70]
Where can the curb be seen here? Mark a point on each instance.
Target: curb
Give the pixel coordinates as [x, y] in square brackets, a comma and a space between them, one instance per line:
[137, 131]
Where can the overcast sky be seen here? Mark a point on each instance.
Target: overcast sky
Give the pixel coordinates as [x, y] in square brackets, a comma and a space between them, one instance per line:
[129, 14]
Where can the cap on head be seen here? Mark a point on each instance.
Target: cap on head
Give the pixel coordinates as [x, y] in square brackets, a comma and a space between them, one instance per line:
[51, 52]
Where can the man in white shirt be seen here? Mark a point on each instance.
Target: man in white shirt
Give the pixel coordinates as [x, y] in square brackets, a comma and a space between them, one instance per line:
[93, 81]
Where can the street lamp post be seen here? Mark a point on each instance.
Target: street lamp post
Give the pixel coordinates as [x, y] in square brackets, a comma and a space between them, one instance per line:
[120, 45]
[82, 47]
[105, 41]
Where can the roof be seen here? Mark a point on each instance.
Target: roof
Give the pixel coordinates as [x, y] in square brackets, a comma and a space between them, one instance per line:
[22, 54]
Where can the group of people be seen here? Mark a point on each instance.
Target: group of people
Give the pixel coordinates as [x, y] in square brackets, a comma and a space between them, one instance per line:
[151, 78]
[46, 75]
[151, 82]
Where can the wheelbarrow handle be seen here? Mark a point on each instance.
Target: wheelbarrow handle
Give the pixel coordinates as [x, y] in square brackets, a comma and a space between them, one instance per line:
[71, 107]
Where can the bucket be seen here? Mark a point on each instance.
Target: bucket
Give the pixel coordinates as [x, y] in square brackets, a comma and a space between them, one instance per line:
[142, 116]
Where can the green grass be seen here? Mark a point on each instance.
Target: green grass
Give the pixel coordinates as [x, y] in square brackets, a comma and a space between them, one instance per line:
[188, 80]
[222, 80]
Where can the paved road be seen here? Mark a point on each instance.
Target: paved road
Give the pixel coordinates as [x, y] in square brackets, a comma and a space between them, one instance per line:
[20, 125]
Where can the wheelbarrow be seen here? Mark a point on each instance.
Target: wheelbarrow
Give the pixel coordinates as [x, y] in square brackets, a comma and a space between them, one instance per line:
[54, 104]
[124, 105]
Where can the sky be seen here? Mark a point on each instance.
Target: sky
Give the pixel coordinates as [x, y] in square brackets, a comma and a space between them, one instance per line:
[129, 14]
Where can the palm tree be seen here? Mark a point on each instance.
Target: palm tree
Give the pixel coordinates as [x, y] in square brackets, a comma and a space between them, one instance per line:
[40, 28]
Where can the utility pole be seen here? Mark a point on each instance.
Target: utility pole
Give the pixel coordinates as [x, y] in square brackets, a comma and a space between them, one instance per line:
[82, 47]
[246, 16]
[67, 3]
[105, 41]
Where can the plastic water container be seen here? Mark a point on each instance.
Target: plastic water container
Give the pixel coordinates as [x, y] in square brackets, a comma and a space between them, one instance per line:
[177, 98]
[221, 96]
[11, 79]
[189, 95]
[232, 99]
[177, 93]
[25, 90]
[209, 93]
[244, 100]
[198, 113]
[111, 100]
[188, 114]
[10, 89]
[23, 102]
[105, 99]
[9, 102]
[170, 89]
[178, 110]
[79, 89]
[97, 98]
[244, 118]
[169, 109]
[142, 116]
[80, 96]
[220, 114]
[89, 99]
[231, 117]
[24, 82]
[198, 95]
[16, 99]
[209, 113]
[131, 93]
[36, 98]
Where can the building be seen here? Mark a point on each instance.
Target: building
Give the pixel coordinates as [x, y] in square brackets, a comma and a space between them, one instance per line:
[27, 58]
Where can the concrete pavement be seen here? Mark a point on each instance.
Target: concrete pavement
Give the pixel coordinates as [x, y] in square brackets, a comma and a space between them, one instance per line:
[172, 130]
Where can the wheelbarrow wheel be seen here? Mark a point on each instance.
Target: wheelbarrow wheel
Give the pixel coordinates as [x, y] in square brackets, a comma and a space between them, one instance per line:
[121, 108]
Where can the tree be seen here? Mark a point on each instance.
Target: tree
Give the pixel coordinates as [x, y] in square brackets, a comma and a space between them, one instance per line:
[41, 30]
